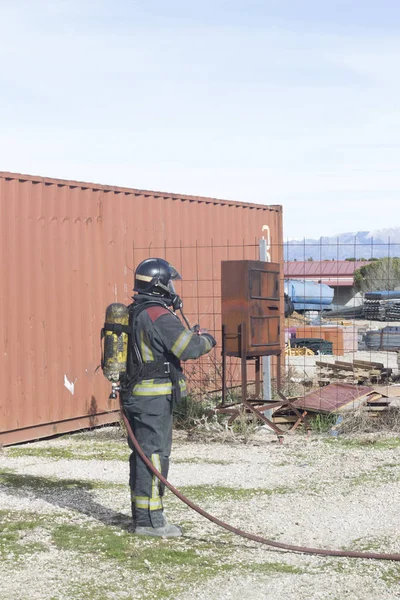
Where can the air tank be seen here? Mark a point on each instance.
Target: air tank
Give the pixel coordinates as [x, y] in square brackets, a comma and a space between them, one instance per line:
[115, 341]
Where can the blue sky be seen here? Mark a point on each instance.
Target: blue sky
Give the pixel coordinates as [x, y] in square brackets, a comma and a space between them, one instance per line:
[279, 102]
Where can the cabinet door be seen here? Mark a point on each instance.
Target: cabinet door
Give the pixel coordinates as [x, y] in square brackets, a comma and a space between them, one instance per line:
[265, 331]
[264, 282]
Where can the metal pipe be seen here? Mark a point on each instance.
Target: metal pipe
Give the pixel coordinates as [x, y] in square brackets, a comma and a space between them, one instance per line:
[249, 536]
[266, 360]
[223, 353]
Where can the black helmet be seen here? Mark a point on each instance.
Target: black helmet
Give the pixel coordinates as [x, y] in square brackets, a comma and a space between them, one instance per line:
[154, 276]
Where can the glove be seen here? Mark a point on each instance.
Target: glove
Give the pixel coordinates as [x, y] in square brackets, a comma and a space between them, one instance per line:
[199, 330]
[211, 338]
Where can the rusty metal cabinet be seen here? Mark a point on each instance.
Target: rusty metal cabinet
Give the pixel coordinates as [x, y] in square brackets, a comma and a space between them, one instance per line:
[251, 301]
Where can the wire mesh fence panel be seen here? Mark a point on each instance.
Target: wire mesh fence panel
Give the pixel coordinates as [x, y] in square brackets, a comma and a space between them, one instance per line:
[343, 338]
[341, 327]
[200, 289]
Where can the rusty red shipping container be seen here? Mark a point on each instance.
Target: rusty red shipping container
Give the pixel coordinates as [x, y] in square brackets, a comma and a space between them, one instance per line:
[68, 250]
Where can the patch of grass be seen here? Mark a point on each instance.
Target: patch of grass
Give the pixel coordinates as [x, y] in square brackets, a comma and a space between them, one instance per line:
[385, 571]
[245, 426]
[94, 451]
[182, 562]
[378, 475]
[337, 565]
[109, 542]
[137, 554]
[13, 524]
[34, 482]
[370, 544]
[56, 453]
[104, 433]
[14, 520]
[49, 484]
[6, 470]
[390, 465]
[391, 575]
[367, 443]
[187, 525]
[126, 589]
[84, 591]
[200, 461]
[322, 423]
[274, 567]
[200, 493]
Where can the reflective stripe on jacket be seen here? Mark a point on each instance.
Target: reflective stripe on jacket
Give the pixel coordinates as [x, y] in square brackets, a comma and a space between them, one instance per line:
[150, 387]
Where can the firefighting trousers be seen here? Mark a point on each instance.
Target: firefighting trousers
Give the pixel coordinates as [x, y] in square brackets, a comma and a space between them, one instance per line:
[151, 422]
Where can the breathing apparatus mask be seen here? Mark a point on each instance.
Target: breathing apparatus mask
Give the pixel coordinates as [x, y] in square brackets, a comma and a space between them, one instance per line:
[176, 300]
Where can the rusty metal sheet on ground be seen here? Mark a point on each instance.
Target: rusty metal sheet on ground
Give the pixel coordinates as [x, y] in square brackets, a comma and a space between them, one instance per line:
[334, 397]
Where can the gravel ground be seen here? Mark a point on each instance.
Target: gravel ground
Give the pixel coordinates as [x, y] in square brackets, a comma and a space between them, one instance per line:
[65, 527]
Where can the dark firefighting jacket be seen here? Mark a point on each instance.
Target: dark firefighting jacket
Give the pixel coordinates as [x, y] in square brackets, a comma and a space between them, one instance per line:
[160, 336]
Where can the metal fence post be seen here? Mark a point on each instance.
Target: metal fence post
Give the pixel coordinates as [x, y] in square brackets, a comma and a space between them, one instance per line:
[266, 360]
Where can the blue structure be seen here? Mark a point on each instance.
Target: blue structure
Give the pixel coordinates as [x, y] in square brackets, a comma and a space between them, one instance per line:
[307, 295]
[383, 295]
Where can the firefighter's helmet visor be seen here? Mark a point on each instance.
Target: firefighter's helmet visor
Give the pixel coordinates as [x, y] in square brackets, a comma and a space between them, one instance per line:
[174, 273]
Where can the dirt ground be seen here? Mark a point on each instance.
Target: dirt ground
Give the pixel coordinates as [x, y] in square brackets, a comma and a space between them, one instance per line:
[65, 526]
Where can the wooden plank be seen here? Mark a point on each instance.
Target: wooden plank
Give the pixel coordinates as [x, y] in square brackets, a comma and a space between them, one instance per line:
[344, 365]
[366, 363]
[390, 391]
[346, 374]
[363, 373]
[378, 398]
[284, 420]
[299, 420]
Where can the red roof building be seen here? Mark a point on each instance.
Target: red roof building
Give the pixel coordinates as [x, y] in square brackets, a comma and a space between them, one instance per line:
[338, 274]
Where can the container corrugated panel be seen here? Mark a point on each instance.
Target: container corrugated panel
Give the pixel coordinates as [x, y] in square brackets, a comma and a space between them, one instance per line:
[68, 249]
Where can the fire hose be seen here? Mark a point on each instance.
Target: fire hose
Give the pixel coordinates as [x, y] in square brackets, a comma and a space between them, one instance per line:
[240, 532]
[116, 335]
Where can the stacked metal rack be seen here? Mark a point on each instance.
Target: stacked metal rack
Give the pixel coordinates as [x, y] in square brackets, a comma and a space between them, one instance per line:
[386, 339]
[382, 306]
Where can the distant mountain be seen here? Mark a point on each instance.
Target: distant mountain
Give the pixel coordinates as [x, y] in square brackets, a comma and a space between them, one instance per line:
[362, 244]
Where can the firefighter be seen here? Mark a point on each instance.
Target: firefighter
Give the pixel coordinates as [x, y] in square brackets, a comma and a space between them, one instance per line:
[161, 343]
